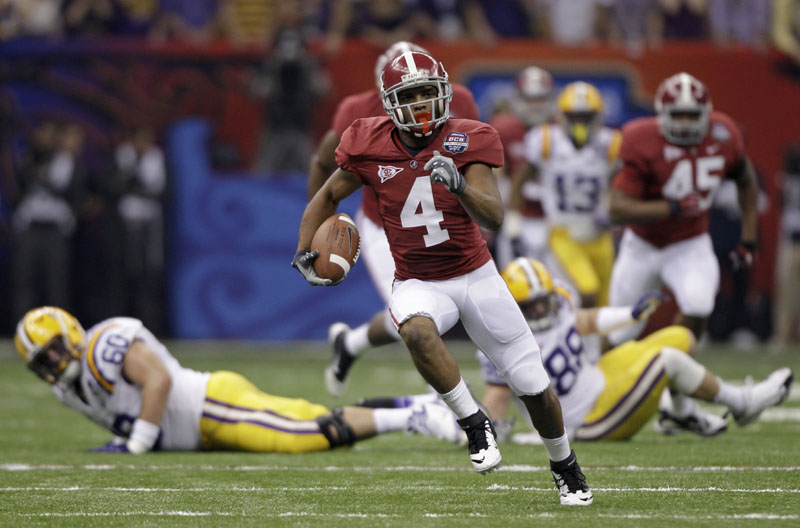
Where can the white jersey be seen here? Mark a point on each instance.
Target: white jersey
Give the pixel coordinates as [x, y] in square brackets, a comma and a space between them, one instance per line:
[574, 182]
[110, 400]
[575, 379]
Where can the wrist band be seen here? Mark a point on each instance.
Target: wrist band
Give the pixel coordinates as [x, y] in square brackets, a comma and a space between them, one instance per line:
[610, 318]
[143, 436]
[512, 225]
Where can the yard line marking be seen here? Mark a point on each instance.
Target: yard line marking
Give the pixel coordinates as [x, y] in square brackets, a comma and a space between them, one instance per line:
[665, 489]
[129, 514]
[520, 468]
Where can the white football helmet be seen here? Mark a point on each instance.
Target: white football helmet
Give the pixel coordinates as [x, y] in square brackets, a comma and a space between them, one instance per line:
[683, 105]
[52, 342]
[531, 285]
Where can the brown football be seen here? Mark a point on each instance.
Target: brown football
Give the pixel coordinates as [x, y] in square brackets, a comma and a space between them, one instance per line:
[339, 245]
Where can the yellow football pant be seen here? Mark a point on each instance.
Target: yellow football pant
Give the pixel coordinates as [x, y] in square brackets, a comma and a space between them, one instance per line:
[588, 264]
[635, 378]
[238, 416]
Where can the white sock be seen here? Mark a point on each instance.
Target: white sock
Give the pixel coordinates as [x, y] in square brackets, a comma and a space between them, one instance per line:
[356, 340]
[557, 448]
[460, 400]
[731, 396]
[390, 420]
[682, 405]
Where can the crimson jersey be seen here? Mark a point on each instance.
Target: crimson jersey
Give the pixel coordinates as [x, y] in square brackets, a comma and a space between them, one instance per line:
[369, 104]
[512, 135]
[654, 169]
[430, 234]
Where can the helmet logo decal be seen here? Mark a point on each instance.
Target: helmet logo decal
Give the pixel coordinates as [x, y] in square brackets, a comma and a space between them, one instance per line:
[456, 142]
[387, 172]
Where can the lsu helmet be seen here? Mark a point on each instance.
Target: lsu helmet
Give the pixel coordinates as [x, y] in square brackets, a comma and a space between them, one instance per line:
[414, 69]
[531, 285]
[580, 108]
[391, 53]
[683, 105]
[533, 102]
[51, 341]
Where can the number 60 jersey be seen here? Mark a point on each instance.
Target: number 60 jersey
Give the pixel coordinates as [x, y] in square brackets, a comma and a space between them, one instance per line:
[655, 169]
[430, 234]
[112, 401]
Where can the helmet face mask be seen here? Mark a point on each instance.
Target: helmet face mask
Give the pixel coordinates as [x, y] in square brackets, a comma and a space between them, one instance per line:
[580, 108]
[531, 285]
[51, 341]
[684, 107]
[415, 73]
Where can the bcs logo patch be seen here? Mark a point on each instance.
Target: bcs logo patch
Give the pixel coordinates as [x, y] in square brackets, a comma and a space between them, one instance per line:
[456, 142]
[388, 172]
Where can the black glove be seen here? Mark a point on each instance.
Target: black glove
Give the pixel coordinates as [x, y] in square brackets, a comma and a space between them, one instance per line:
[303, 262]
[744, 254]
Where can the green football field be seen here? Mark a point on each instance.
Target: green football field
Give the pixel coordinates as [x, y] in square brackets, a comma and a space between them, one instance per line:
[746, 477]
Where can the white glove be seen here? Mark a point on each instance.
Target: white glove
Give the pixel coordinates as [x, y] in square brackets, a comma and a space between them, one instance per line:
[444, 170]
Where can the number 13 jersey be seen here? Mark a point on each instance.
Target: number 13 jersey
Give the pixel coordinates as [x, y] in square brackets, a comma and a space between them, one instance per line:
[430, 234]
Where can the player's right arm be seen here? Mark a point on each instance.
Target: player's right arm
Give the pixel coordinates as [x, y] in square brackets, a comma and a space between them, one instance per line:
[324, 162]
[625, 209]
[325, 202]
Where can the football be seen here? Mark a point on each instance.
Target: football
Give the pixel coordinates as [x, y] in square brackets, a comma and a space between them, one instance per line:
[339, 245]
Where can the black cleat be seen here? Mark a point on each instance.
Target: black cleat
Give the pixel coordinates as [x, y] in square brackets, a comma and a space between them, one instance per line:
[481, 436]
[571, 482]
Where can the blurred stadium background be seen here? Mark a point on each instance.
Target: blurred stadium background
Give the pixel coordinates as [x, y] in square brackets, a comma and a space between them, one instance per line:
[216, 82]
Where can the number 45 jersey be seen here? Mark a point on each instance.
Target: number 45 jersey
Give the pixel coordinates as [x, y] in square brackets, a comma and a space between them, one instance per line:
[574, 181]
[112, 401]
[654, 169]
[430, 234]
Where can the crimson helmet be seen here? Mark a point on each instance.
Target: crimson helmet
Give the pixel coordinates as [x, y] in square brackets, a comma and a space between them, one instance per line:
[391, 53]
[413, 69]
[533, 102]
[683, 94]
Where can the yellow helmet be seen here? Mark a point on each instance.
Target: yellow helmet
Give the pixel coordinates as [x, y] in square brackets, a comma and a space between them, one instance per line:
[51, 341]
[531, 285]
[580, 107]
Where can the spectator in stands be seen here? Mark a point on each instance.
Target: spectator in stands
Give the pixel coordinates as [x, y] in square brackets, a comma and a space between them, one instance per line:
[51, 178]
[636, 25]
[31, 18]
[451, 20]
[787, 308]
[137, 17]
[91, 18]
[380, 22]
[685, 19]
[744, 22]
[186, 20]
[786, 29]
[575, 22]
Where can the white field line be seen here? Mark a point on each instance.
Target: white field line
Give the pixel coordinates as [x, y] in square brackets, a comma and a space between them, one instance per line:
[493, 487]
[519, 468]
[746, 516]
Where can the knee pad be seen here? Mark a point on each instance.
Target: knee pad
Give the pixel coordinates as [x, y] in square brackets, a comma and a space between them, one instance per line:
[685, 374]
[527, 376]
[336, 430]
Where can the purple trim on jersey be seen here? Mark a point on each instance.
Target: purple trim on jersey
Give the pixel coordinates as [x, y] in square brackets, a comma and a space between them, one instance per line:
[624, 398]
[97, 363]
[260, 424]
[250, 409]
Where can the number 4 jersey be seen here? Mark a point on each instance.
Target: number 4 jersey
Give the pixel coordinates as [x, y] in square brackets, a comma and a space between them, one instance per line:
[430, 234]
[112, 401]
[654, 169]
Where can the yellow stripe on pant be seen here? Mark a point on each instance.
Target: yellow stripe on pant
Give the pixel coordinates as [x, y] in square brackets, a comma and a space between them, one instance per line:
[635, 377]
[588, 264]
[239, 416]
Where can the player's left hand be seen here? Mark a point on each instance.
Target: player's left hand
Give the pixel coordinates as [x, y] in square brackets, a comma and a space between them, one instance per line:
[444, 170]
[647, 304]
[115, 445]
[744, 254]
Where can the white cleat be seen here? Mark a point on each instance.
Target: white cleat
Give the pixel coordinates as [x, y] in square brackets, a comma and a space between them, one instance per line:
[698, 422]
[438, 421]
[767, 393]
[483, 451]
[338, 370]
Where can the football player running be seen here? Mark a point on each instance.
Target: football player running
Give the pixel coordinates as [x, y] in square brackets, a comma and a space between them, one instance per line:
[573, 162]
[121, 377]
[379, 330]
[613, 399]
[533, 104]
[672, 166]
[434, 182]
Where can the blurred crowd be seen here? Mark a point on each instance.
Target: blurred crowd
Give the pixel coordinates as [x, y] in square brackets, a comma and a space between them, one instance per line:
[634, 24]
